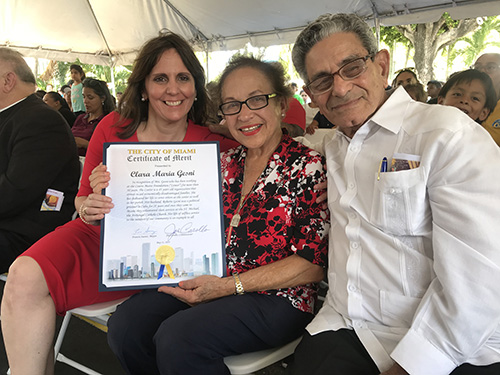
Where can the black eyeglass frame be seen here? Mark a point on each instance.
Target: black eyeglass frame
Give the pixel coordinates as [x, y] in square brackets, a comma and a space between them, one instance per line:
[267, 96]
[339, 72]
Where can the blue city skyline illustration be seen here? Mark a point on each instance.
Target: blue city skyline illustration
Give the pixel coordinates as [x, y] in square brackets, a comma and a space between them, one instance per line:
[128, 267]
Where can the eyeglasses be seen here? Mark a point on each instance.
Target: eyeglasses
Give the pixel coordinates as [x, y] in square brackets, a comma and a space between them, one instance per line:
[351, 70]
[253, 103]
[489, 68]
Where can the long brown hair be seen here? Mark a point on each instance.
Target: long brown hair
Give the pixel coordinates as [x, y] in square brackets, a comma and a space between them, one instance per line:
[132, 107]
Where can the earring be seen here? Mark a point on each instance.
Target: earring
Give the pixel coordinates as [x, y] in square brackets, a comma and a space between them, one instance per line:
[195, 99]
[282, 115]
[102, 103]
[143, 99]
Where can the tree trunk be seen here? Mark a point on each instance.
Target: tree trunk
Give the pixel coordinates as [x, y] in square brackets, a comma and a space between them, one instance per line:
[429, 38]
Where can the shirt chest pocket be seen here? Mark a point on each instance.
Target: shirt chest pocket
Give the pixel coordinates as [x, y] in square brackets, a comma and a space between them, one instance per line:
[399, 204]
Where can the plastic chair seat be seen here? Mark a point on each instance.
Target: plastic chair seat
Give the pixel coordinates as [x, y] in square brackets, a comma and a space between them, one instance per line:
[248, 363]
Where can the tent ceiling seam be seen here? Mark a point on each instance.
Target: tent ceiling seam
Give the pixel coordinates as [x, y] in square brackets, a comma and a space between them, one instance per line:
[99, 29]
[194, 29]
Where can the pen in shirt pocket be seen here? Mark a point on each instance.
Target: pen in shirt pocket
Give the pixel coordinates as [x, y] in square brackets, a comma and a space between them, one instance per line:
[382, 167]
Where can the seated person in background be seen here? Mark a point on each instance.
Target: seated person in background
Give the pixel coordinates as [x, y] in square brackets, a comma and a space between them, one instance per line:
[416, 91]
[405, 77]
[294, 120]
[304, 97]
[275, 253]
[37, 153]
[40, 93]
[472, 92]
[311, 110]
[66, 94]
[61, 271]
[489, 63]
[319, 122]
[433, 88]
[296, 95]
[98, 103]
[56, 101]
[119, 95]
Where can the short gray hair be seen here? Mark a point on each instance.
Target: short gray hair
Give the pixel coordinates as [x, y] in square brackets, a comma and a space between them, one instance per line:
[324, 26]
[18, 64]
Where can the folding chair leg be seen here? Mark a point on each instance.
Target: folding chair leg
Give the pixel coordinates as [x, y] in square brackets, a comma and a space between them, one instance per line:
[60, 336]
[62, 358]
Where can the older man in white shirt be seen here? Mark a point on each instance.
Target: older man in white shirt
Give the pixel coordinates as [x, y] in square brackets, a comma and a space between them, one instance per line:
[414, 196]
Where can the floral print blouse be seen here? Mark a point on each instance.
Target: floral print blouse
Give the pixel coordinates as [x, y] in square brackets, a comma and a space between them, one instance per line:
[280, 217]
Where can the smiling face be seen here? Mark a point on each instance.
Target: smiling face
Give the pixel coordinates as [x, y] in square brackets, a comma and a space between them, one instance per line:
[348, 104]
[469, 97]
[254, 129]
[92, 102]
[170, 89]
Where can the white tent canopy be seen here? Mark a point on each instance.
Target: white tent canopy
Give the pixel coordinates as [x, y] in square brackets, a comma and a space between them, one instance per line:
[110, 32]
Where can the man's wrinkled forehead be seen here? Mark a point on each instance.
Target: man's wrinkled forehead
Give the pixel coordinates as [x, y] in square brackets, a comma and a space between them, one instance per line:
[333, 50]
[489, 58]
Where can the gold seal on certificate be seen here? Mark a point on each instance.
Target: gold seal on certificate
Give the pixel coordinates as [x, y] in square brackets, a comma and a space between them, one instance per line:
[165, 255]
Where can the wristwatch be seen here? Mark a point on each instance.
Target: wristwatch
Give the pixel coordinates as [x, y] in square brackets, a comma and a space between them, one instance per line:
[238, 284]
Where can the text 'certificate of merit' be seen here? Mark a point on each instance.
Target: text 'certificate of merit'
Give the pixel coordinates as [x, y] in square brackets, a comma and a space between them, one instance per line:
[166, 225]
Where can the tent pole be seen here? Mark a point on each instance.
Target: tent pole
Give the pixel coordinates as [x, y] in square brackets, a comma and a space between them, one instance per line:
[113, 87]
[206, 56]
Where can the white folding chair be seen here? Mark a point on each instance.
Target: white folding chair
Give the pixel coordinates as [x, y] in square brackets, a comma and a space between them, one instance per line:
[99, 313]
[248, 363]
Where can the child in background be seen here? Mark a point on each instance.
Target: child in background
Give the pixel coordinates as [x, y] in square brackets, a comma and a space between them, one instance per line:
[416, 91]
[77, 75]
[472, 92]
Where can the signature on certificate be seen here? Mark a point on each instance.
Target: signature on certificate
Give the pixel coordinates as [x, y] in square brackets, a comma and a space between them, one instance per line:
[144, 232]
[187, 229]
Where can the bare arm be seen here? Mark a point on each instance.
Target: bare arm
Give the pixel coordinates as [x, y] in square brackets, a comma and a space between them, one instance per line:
[285, 273]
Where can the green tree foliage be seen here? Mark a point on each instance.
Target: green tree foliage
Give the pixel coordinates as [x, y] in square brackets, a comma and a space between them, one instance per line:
[61, 74]
[391, 37]
[478, 41]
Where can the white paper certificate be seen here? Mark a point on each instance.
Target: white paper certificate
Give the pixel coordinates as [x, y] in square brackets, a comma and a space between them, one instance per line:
[166, 225]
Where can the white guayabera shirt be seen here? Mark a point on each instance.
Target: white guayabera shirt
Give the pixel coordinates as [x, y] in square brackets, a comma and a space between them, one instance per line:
[414, 257]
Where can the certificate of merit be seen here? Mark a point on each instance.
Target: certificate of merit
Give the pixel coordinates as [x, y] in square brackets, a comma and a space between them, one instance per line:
[166, 224]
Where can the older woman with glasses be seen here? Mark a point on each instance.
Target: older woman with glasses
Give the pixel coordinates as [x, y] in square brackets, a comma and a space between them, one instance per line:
[275, 246]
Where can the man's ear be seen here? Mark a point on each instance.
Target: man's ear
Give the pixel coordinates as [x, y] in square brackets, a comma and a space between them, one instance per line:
[8, 82]
[383, 59]
[484, 114]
